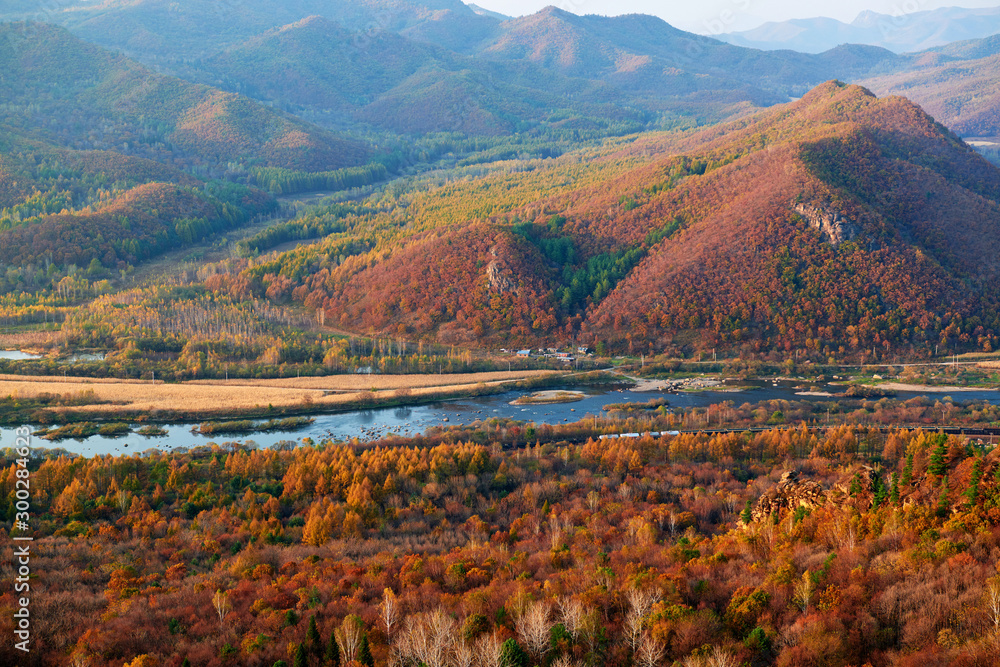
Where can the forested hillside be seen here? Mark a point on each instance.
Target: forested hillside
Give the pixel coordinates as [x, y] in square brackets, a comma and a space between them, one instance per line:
[839, 223]
[104, 164]
[963, 94]
[253, 213]
[64, 91]
[387, 80]
[155, 29]
[357, 64]
[789, 547]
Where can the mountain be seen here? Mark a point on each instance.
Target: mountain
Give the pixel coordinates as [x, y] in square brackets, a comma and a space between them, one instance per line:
[632, 50]
[391, 81]
[158, 30]
[102, 160]
[962, 94]
[856, 223]
[376, 61]
[839, 220]
[62, 90]
[643, 54]
[916, 31]
[482, 11]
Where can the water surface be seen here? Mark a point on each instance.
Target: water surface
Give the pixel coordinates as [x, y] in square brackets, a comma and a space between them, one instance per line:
[412, 420]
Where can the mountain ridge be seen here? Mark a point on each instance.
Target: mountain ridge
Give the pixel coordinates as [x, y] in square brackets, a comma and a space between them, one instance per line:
[904, 33]
[839, 220]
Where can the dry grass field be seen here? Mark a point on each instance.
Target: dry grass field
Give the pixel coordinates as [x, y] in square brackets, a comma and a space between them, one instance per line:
[129, 398]
[359, 382]
[27, 340]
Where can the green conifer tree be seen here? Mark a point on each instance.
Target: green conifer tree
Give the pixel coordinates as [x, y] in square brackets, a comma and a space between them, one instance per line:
[512, 655]
[972, 493]
[332, 656]
[746, 515]
[880, 494]
[312, 636]
[908, 470]
[300, 657]
[855, 487]
[943, 505]
[938, 464]
[365, 652]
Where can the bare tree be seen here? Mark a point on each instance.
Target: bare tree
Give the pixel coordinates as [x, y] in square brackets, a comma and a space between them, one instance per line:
[124, 500]
[488, 649]
[349, 636]
[571, 615]
[389, 611]
[804, 591]
[992, 594]
[640, 603]
[533, 625]
[721, 658]
[651, 652]
[718, 658]
[428, 638]
[222, 604]
[462, 654]
[565, 661]
[556, 531]
[593, 500]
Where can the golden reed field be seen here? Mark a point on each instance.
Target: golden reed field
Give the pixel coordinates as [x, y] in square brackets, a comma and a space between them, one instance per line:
[212, 396]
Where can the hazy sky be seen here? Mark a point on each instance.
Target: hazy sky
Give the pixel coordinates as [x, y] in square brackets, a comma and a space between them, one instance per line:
[714, 16]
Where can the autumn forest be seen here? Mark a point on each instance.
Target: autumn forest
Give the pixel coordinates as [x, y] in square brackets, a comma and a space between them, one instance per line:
[404, 333]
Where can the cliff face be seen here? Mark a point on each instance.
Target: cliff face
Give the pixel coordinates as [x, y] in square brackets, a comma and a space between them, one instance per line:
[501, 278]
[834, 227]
[789, 494]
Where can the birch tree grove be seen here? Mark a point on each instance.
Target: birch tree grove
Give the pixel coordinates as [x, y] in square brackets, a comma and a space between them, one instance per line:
[427, 638]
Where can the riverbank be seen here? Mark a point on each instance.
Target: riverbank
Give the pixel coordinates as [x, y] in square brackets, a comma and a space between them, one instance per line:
[105, 399]
[925, 388]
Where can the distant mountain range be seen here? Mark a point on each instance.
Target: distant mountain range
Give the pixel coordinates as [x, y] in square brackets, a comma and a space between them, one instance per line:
[413, 67]
[428, 66]
[903, 33]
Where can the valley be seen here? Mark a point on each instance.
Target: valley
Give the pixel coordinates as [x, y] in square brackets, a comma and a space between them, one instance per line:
[407, 333]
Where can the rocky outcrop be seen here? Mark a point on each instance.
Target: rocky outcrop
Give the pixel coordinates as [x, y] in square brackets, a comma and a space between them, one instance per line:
[501, 279]
[789, 494]
[834, 227]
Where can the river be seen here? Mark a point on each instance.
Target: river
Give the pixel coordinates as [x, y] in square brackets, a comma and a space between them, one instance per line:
[373, 424]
